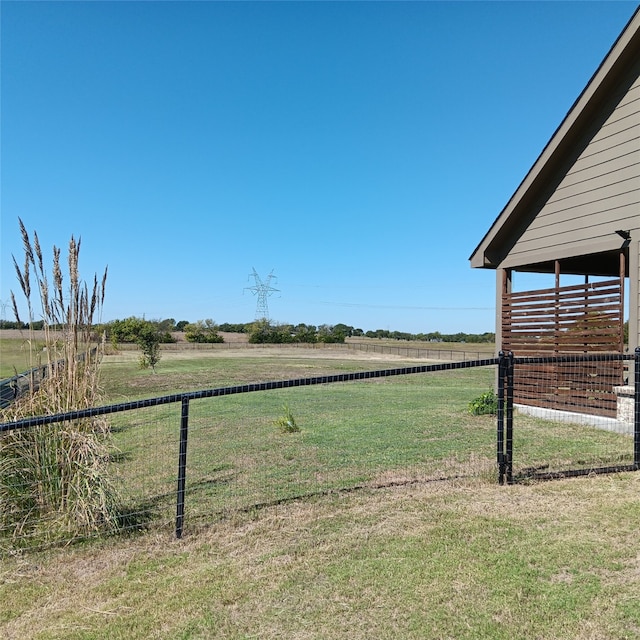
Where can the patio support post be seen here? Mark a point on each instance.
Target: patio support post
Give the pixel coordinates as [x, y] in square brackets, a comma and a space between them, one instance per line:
[623, 271]
[504, 285]
[634, 294]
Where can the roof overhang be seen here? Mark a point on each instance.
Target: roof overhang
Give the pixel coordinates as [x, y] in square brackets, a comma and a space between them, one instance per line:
[595, 264]
[493, 251]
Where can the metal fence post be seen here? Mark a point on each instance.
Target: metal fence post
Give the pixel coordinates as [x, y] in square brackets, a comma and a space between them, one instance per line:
[636, 411]
[509, 403]
[500, 418]
[182, 466]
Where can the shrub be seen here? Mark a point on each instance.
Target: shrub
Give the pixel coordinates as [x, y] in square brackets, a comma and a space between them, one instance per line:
[130, 329]
[485, 404]
[203, 331]
[263, 332]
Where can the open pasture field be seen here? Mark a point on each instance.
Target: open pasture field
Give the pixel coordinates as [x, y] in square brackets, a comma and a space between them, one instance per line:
[15, 355]
[380, 518]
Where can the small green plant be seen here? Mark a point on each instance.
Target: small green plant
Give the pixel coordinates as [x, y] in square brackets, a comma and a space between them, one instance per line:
[286, 421]
[485, 404]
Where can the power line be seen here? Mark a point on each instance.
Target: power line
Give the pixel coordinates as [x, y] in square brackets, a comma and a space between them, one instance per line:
[393, 306]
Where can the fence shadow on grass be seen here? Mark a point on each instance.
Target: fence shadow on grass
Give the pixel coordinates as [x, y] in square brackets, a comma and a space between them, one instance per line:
[543, 474]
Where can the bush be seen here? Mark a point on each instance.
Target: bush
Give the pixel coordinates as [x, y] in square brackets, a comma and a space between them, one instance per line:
[203, 331]
[263, 332]
[485, 404]
[130, 330]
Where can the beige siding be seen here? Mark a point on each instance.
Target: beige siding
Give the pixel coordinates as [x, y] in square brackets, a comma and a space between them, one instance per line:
[597, 196]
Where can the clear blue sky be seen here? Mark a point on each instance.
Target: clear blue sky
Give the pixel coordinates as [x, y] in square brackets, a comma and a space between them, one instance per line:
[359, 150]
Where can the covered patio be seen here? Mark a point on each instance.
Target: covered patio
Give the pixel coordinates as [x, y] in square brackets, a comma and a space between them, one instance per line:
[577, 213]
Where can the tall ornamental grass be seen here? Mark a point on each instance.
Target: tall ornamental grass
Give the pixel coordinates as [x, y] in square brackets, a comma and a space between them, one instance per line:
[54, 481]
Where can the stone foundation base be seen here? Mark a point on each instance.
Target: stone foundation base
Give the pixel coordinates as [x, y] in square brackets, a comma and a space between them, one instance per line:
[626, 400]
[600, 422]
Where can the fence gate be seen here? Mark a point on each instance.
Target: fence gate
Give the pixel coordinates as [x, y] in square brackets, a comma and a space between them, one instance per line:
[514, 373]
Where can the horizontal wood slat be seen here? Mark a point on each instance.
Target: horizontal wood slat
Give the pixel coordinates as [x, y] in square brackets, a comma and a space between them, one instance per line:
[596, 308]
[568, 289]
[571, 296]
[581, 319]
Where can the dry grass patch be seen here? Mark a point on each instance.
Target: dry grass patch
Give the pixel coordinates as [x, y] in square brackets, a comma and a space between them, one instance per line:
[436, 560]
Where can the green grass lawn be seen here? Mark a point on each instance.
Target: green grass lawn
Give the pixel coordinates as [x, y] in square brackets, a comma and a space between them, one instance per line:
[398, 429]
[428, 546]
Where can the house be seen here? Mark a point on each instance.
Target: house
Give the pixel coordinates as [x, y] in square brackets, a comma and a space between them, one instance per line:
[577, 211]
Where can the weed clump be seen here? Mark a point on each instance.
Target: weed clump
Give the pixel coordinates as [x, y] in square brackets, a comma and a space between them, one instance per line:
[286, 421]
[484, 404]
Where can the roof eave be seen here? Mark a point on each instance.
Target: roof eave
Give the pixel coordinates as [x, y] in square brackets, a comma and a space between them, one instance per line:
[612, 65]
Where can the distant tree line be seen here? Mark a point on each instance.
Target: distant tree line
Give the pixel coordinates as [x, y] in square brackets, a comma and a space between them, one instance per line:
[11, 324]
[263, 332]
[434, 336]
[259, 332]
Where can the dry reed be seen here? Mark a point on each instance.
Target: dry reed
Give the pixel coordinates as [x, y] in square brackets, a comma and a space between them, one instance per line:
[53, 479]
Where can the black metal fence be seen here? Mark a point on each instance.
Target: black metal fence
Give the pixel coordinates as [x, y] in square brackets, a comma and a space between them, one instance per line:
[366, 434]
[201, 453]
[28, 381]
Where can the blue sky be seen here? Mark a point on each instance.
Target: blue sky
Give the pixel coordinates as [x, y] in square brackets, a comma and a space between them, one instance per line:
[359, 150]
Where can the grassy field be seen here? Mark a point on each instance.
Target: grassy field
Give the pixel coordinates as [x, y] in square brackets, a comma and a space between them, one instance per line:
[428, 546]
[371, 433]
[16, 357]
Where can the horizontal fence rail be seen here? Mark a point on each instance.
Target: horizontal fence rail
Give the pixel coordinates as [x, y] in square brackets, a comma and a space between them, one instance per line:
[244, 388]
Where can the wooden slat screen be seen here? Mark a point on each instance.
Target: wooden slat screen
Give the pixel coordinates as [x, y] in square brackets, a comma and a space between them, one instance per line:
[575, 319]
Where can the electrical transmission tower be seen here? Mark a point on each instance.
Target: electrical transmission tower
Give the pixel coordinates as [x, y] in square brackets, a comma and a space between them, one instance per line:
[263, 290]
